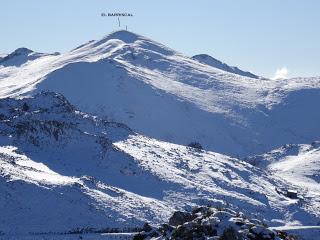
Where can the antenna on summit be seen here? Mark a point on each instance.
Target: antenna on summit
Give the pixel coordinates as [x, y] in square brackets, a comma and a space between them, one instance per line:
[118, 15]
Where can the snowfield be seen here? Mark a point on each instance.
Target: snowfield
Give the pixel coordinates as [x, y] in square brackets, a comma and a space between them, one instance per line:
[299, 165]
[163, 94]
[68, 172]
[95, 141]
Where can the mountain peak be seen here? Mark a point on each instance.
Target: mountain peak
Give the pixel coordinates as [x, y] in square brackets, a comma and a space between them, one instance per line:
[16, 58]
[21, 56]
[18, 52]
[22, 50]
[123, 35]
[117, 40]
[115, 36]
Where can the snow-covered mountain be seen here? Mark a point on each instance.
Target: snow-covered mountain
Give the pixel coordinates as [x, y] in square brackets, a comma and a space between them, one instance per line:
[21, 56]
[163, 94]
[211, 61]
[95, 139]
[62, 170]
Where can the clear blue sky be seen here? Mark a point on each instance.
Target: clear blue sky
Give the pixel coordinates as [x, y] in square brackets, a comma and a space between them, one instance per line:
[256, 35]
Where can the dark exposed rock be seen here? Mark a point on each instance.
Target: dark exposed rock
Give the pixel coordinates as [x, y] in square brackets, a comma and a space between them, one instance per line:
[139, 236]
[147, 227]
[231, 234]
[195, 145]
[25, 107]
[178, 218]
[212, 223]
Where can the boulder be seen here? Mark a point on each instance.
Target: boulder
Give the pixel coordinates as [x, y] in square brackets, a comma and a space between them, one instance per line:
[179, 218]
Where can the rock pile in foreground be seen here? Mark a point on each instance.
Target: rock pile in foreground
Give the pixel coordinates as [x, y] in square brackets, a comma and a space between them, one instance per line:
[212, 223]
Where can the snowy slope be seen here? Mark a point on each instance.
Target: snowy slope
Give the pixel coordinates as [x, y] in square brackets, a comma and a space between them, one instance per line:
[67, 171]
[206, 59]
[166, 95]
[297, 164]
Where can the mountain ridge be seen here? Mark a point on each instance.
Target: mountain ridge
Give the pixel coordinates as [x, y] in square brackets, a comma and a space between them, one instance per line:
[211, 61]
[228, 113]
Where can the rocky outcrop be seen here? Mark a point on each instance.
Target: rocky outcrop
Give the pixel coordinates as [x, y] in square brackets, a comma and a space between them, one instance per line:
[212, 223]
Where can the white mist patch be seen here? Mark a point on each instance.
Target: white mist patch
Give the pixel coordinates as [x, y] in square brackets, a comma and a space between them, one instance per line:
[281, 73]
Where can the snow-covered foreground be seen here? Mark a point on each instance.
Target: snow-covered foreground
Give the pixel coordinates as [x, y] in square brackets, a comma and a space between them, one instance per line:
[166, 95]
[87, 236]
[64, 171]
